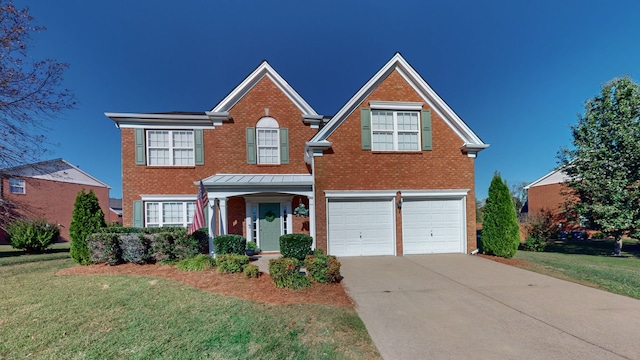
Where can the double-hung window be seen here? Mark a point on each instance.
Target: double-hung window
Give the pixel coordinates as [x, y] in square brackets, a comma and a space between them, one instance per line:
[268, 146]
[395, 130]
[267, 143]
[17, 186]
[170, 147]
[169, 213]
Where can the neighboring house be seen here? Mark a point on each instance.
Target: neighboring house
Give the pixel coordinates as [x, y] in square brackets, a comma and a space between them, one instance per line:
[546, 193]
[47, 190]
[115, 212]
[391, 173]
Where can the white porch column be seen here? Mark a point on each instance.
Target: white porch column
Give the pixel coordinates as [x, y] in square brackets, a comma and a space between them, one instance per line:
[312, 218]
[223, 216]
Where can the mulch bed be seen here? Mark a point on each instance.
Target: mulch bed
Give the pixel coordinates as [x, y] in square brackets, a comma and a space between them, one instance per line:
[261, 289]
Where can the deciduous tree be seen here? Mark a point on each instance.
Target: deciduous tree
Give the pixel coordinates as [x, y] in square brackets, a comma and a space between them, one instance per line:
[31, 94]
[603, 162]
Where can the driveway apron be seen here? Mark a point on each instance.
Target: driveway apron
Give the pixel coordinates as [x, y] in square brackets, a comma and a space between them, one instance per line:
[458, 306]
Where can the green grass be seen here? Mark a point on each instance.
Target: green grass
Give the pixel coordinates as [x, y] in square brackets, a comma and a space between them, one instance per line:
[590, 262]
[48, 316]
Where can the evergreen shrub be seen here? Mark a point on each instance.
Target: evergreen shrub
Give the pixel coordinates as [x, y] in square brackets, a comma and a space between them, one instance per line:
[231, 263]
[533, 244]
[229, 244]
[33, 236]
[323, 268]
[500, 231]
[135, 248]
[87, 219]
[104, 248]
[296, 246]
[285, 273]
[251, 271]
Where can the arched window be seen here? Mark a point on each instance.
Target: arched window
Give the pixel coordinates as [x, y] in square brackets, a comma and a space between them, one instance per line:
[268, 141]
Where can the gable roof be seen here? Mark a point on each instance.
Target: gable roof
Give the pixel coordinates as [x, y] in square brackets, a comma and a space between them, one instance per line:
[557, 176]
[55, 170]
[264, 69]
[471, 143]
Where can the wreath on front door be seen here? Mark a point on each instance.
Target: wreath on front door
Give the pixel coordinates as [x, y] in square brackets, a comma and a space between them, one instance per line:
[269, 216]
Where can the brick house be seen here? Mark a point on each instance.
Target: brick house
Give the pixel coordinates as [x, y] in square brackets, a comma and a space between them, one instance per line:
[47, 190]
[391, 173]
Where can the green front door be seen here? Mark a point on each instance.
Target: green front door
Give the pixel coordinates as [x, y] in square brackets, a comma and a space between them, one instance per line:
[269, 226]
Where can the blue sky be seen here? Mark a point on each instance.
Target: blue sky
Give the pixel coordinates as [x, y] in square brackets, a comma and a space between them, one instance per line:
[517, 72]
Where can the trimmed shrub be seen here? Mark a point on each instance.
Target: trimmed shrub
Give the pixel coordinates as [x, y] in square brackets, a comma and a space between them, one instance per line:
[317, 252]
[33, 236]
[231, 263]
[135, 248]
[229, 244]
[500, 231]
[296, 246]
[104, 248]
[161, 247]
[533, 244]
[285, 272]
[184, 246]
[323, 268]
[251, 271]
[200, 262]
[87, 219]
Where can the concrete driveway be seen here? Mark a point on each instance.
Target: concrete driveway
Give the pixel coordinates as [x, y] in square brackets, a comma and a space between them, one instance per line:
[465, 307]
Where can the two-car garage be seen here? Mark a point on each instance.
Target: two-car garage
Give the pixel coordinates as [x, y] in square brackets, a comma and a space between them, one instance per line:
[364, 224]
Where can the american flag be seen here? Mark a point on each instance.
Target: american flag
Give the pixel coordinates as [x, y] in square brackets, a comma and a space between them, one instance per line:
[198, 218]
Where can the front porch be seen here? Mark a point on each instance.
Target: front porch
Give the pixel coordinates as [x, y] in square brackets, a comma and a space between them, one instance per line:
[260, 207]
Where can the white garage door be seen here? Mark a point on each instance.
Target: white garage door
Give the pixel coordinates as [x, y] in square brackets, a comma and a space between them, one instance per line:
[433, 226]
[360, 227]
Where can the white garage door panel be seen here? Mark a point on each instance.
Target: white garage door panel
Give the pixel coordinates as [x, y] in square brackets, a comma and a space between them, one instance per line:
[432, 226]
[358, 227]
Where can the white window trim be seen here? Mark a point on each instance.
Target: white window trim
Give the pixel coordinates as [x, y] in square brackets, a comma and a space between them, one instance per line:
[395, 105]
[171, 148]
[395, 132]
[12, 186]
[186, 221]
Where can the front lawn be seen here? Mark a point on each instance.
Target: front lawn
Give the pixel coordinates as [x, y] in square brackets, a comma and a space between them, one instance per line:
[590, 262]
[48, 316]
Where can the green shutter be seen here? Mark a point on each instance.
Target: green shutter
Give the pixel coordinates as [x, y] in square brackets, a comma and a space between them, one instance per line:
[198, 147]
[251, 146]
[137, 214]
[365, 128]
[284, 146]
[426, 130]
[141, 159]
[206, 216]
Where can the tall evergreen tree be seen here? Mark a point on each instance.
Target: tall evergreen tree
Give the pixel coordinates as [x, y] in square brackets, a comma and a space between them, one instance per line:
[87, 219]
[500, 231]
[604, 161]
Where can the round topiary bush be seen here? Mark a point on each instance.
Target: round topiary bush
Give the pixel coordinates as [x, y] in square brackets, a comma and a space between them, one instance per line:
[296, 246]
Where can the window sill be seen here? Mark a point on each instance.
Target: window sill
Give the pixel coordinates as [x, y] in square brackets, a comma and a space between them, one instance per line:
[414, 152]
[269, 165]
[169, 166]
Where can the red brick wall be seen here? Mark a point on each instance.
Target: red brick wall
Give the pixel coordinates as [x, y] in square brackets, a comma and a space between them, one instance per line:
[548, 197]
[53, 201]
[346, 167]
[224, 150]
